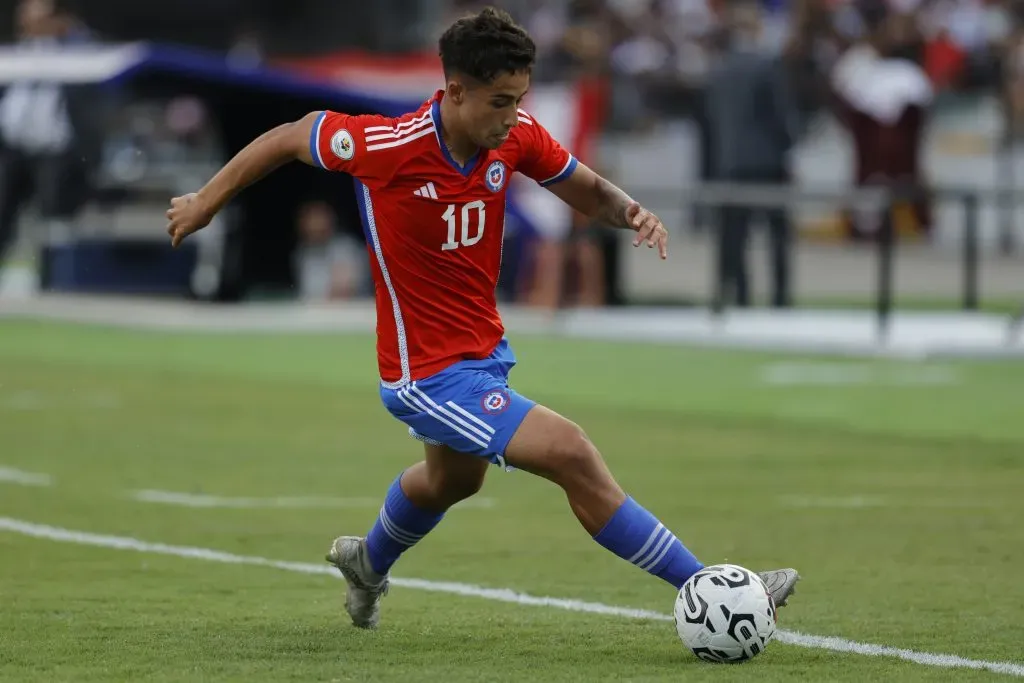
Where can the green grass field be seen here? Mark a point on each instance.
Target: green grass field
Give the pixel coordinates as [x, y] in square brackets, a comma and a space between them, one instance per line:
[894, 487]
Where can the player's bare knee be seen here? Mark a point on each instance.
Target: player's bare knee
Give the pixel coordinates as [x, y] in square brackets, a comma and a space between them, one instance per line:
[573, 455]
[449, 488]
[463, 487]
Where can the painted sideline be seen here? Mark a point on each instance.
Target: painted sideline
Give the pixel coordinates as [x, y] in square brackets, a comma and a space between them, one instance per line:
[13, 475]
[201, 500]
[498, 594]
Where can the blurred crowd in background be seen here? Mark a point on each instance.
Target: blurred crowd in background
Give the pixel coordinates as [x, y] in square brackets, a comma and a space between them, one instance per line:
[752, 77]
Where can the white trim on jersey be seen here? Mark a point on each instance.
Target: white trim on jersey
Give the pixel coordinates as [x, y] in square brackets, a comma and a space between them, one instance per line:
[427, 191]
[397, 128]
[402, 141]
[316, 147]
[524, 117]
[393, 135]
[403, 342]
[564, 169]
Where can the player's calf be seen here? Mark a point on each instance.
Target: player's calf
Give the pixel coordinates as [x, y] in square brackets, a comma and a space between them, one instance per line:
[400, 525]
[444, 478]
[555, 448]
[417, 501]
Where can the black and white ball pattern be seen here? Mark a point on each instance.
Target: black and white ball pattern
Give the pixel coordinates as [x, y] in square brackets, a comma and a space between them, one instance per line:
[724, 613]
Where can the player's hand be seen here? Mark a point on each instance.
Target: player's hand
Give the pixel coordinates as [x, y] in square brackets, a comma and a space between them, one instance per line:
[648, 229]
[187, 215]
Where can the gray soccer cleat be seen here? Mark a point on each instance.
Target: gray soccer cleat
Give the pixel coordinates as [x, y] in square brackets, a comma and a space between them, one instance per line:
[365, 586]
[781, 583]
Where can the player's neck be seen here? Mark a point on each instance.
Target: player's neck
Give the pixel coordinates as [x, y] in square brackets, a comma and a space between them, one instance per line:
[459, 146]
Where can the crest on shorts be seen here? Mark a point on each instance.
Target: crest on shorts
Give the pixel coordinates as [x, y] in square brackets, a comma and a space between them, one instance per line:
[495, 177]
[342, 145]
[495, 402]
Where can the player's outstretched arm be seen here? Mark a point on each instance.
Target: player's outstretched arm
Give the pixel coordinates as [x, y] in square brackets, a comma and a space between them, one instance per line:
[276, 147]
[600, 199]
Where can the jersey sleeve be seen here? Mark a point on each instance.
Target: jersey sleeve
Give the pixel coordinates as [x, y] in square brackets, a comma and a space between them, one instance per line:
[338, 143]
[541, 157]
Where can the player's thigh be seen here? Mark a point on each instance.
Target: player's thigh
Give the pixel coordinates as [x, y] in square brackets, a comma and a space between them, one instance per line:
[554, 447]
[452, 470]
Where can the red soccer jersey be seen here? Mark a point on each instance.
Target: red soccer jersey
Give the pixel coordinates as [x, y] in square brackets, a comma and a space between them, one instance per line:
[433, 229]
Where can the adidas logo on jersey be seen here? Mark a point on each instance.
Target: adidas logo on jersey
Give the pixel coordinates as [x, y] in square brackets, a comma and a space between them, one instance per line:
[427, 191]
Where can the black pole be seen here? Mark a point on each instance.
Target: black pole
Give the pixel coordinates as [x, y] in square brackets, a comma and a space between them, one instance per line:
[886, 242]
[1006, 200]
[970, 283]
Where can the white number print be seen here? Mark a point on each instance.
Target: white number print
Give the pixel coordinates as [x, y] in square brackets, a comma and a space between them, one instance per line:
[466, 239]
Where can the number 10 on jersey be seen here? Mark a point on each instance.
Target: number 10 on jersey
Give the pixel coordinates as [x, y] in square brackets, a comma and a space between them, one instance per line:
[473, 217]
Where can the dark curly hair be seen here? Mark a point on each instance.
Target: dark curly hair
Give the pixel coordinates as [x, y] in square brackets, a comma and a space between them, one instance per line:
[485, 45]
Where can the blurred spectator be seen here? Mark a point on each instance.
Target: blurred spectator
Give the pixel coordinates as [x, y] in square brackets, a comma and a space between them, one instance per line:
[1013, 87]
[247, 50]
[568, 96]
[49, 142]
[329, 265]
[753, 123]
[882, 96]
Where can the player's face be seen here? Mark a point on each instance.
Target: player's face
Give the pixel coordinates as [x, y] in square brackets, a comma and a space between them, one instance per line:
[489, 111]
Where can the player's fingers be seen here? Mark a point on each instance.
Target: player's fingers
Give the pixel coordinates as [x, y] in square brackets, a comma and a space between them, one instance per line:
[176, 232]
[643, 232]
[651, 226]
[663, 245]
[639, 219]
[180, 233]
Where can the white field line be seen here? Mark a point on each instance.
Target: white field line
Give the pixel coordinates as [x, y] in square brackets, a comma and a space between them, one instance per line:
[498, 594]
[851, 502]
[201, 500]
[814, 373]
[11, 475]
[863, 501]
[27, 401]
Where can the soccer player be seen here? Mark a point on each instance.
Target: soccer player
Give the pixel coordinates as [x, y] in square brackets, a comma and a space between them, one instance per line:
[431, 187]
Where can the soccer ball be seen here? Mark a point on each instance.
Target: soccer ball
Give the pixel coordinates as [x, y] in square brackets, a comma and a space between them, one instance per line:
[724, 613]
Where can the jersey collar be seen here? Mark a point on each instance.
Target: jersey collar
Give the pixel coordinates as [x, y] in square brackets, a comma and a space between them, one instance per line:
[435, 113]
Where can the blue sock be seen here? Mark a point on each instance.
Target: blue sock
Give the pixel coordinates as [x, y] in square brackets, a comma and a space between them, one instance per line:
[399, 526]
[635, 535]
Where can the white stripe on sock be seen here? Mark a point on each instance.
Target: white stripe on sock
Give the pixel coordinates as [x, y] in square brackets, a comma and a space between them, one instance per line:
[650, 540]
[386, 525]
[668, 546]
[642, 562]
[397, 533]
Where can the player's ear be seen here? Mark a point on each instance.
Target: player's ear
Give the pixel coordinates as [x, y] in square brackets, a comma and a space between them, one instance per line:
[456, 91]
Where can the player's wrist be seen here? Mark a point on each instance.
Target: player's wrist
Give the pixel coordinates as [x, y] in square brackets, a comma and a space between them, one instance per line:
[207, 203]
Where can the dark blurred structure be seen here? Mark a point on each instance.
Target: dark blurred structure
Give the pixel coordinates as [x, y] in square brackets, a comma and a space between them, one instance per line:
[626, 81]
[292, 27]
[753, 123]
[49, 136]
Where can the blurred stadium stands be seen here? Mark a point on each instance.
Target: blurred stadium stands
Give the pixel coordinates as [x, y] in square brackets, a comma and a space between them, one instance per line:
[175, 97]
